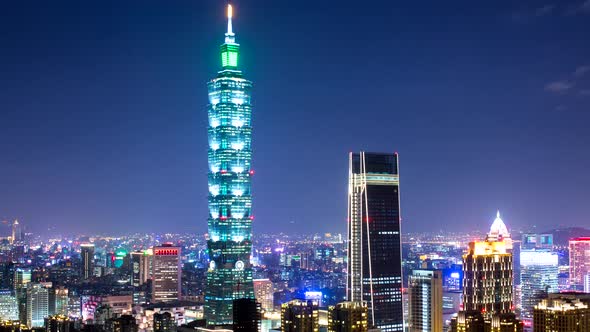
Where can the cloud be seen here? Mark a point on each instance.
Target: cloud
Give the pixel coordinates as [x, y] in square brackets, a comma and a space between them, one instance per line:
[528, 14]
[560, 108]
[585, 92]
[559, 86]
[582, 70]
[545, 10]
[581, 8]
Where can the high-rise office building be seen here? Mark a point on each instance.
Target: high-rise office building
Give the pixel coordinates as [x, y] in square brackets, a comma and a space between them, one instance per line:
[579, 262]
[348, 317]
[22, 277]
[37, 304]
[488, 284]
[8, 306]
[166, 275]
[300, 316]
[487, 278]
[58, 301]
[538, 274]
[425, 293]
[264, 293]
[141, 267]
[230, 218]
[87, 257]
[561, 314]
[374, 247]
[247, 316]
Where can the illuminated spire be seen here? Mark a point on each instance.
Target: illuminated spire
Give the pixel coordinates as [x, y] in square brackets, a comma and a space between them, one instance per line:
[229, 35]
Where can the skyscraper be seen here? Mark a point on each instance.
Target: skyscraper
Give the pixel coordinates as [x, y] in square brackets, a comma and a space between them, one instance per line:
[87, 256]
[487, 281]
[166, 281]
[557, 314]
[300, 316]
[247, 315]
[264, 293]
[8, 306]
[348, 317]
[425, 295]
[37, 304]
[538, 274]
[230, 218]
[374, 247]
[579, 262]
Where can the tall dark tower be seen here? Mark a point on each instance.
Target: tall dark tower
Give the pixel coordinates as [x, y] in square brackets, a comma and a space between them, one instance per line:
[374, 247]
[230, 219]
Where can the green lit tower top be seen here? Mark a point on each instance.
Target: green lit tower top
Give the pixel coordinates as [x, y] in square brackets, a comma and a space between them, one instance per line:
[230, 219]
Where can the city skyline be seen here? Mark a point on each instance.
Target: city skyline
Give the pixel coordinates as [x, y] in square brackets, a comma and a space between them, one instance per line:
[122, 147]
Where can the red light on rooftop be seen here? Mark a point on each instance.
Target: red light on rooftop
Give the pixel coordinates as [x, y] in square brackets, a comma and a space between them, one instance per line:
[251, 172]
[581, 239]
[251, 217]
[223, 171]
[223, 218]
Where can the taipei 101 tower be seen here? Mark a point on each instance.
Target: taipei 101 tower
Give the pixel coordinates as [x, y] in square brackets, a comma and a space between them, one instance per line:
[229, 242]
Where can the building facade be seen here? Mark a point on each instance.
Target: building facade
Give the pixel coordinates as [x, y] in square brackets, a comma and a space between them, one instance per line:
[561, 315]
[229, 241]
[87, 257]
[166, 283]
[37, 304]
[579, 262]
[425, 294]
[374, 252]
[8, 306]
[264, 293]
[348, 317]
[487, 278]
[538, 274]
[247, 316]
[300, 316]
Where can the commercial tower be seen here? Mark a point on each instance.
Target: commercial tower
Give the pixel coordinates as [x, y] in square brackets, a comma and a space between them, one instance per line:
[300, 316]
[37, 304]
[87, 257]
[538, 274]
[166, 274]
[264, 292]
[557, 314]
[488, 284]
[425, 294]
[230, 219]
[579, 262]
[374, 246]
[348, 317]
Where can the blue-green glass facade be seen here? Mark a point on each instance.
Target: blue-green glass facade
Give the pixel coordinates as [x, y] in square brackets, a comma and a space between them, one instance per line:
[230, 202]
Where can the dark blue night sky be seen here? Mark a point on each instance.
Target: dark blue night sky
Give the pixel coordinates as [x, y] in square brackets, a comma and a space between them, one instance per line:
[103, 110]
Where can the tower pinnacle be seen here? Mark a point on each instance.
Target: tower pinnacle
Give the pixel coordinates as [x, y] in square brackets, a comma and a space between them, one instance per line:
[229, 35]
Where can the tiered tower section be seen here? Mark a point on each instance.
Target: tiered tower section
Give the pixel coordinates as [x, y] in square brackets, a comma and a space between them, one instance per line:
[230, 202]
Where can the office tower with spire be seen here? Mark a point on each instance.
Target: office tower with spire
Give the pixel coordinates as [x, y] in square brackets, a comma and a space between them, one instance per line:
[229, 241]
[374, 246]
[488, 284]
